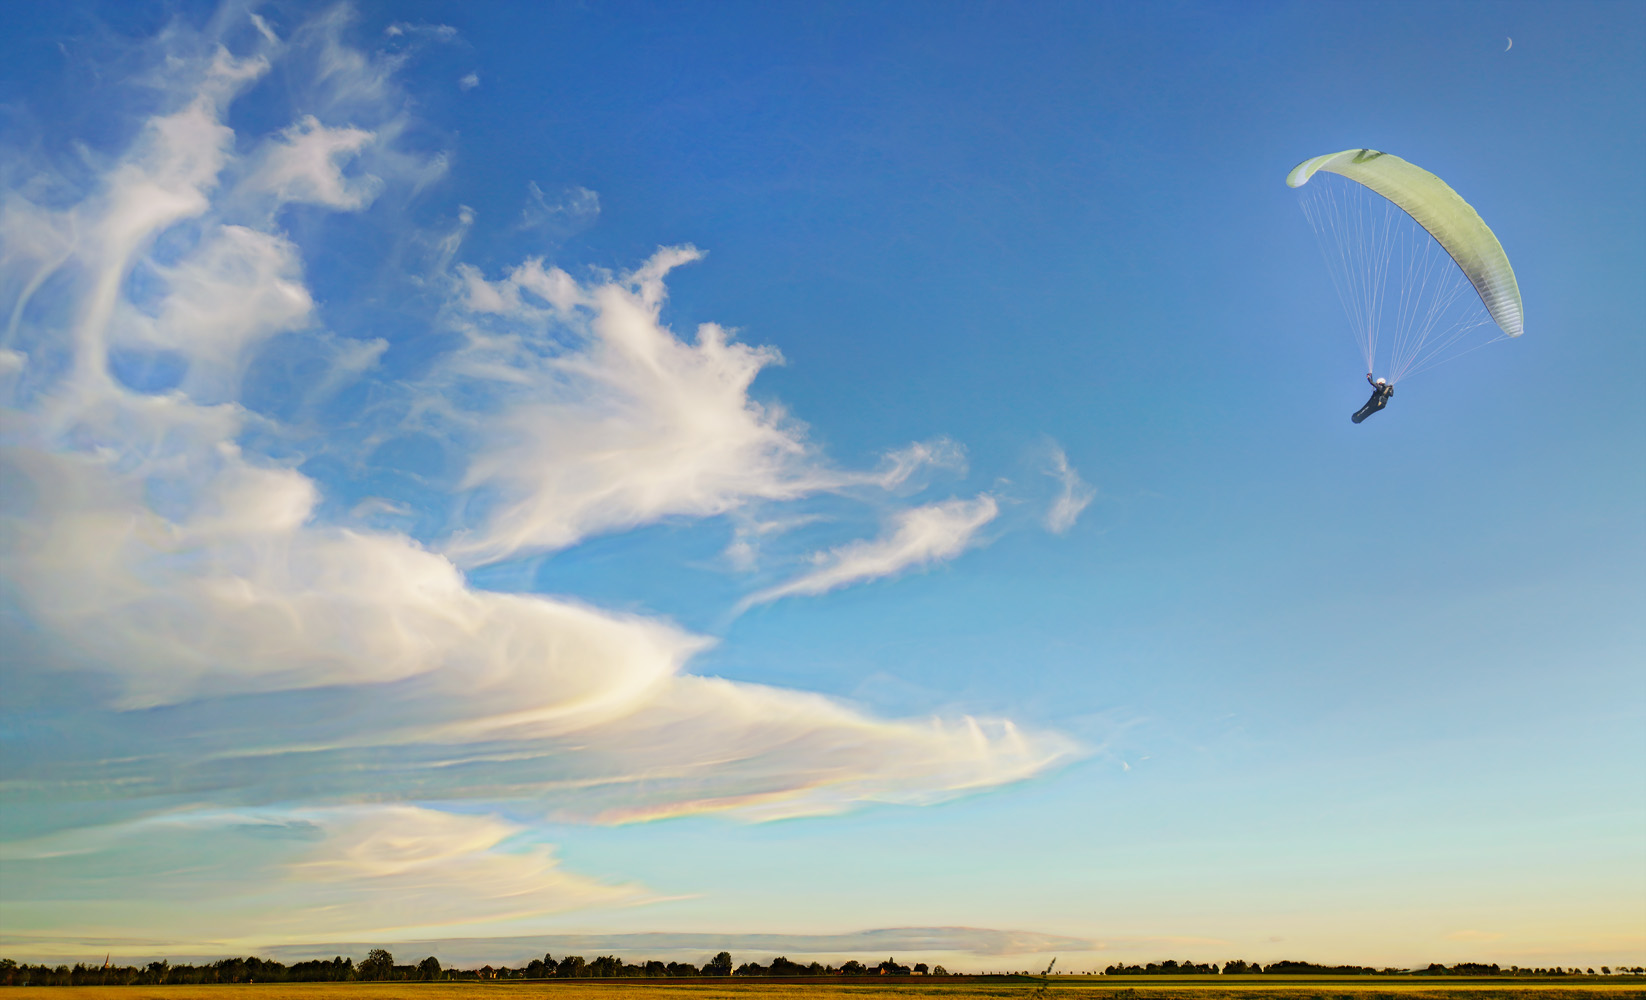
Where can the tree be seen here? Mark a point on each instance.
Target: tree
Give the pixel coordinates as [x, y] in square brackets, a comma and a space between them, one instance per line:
[570, 966]
[719, 965]
[379, 964]
[853, 968]
[429, 968]
[938, 970]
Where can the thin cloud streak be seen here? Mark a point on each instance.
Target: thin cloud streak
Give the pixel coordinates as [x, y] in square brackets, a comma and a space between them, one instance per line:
[1074, 497]
[919, 536]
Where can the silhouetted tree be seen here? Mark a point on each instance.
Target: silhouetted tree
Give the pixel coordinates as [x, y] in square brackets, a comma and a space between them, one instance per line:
[379, 964]
[429, 968]
[719, 965]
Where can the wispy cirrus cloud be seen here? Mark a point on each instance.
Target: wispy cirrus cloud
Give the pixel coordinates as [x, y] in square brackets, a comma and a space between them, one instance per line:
[599, 418]
[177, 591]
[575, 208]
[1073, 497]
[306, 163]
[611, 421]
[918, 537]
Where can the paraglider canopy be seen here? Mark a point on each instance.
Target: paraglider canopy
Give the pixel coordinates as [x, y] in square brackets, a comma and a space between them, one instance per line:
[1454, 224]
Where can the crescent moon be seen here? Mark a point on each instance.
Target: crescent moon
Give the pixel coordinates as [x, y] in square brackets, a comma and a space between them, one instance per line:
[1510, 45]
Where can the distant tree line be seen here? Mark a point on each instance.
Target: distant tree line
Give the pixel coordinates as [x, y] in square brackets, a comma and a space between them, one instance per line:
[612, 967]
[379, 966]
[1290, 968]
[228, 970]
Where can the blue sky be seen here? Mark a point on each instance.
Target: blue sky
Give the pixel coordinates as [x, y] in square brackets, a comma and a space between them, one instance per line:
[834, 479]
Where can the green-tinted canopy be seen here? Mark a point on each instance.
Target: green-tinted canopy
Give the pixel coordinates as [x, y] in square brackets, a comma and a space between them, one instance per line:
[1454, 224]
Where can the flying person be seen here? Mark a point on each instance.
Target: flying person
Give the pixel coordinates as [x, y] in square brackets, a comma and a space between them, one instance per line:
[1381, 391]
[1370, 248]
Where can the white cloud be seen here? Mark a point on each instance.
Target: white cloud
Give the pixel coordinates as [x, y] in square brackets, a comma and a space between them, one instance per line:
[306, 163]
[469, 82]
[235, 290]
[767, 753]
[152, 552]
[920, 536]
[900, 466]
[616, 422]
[243, 879]
[153, 559]
[1072, 499]
[575, 208]
[565, 709]
[750, 533]
[240, 594]
[606, 420]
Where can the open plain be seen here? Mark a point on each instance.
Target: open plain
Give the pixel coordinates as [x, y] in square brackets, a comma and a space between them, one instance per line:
[1070, 988]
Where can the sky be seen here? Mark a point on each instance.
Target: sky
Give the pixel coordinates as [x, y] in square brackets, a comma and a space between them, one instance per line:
[833, 480]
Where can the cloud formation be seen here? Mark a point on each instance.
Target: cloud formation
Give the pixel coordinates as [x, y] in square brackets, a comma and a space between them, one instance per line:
[919, 536]
[612, 420]
[574, 209]
[270, 878]
[1074, 496]
[312, 708]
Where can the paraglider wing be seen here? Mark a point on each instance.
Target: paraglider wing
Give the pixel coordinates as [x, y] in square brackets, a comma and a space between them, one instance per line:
[1454, 224]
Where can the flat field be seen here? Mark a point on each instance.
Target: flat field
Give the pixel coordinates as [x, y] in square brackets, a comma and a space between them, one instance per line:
[1070, 988]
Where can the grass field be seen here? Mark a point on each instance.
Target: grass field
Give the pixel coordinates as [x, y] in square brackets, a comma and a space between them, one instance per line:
[1071, 988]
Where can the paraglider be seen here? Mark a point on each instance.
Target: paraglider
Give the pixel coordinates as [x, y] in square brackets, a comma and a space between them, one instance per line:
[1381, 391]
[1395, 234]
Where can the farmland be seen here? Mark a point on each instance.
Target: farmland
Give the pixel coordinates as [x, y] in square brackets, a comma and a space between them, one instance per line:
[1066, 988]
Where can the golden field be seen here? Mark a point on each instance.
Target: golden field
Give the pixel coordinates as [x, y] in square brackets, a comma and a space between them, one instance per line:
[1070, 988]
